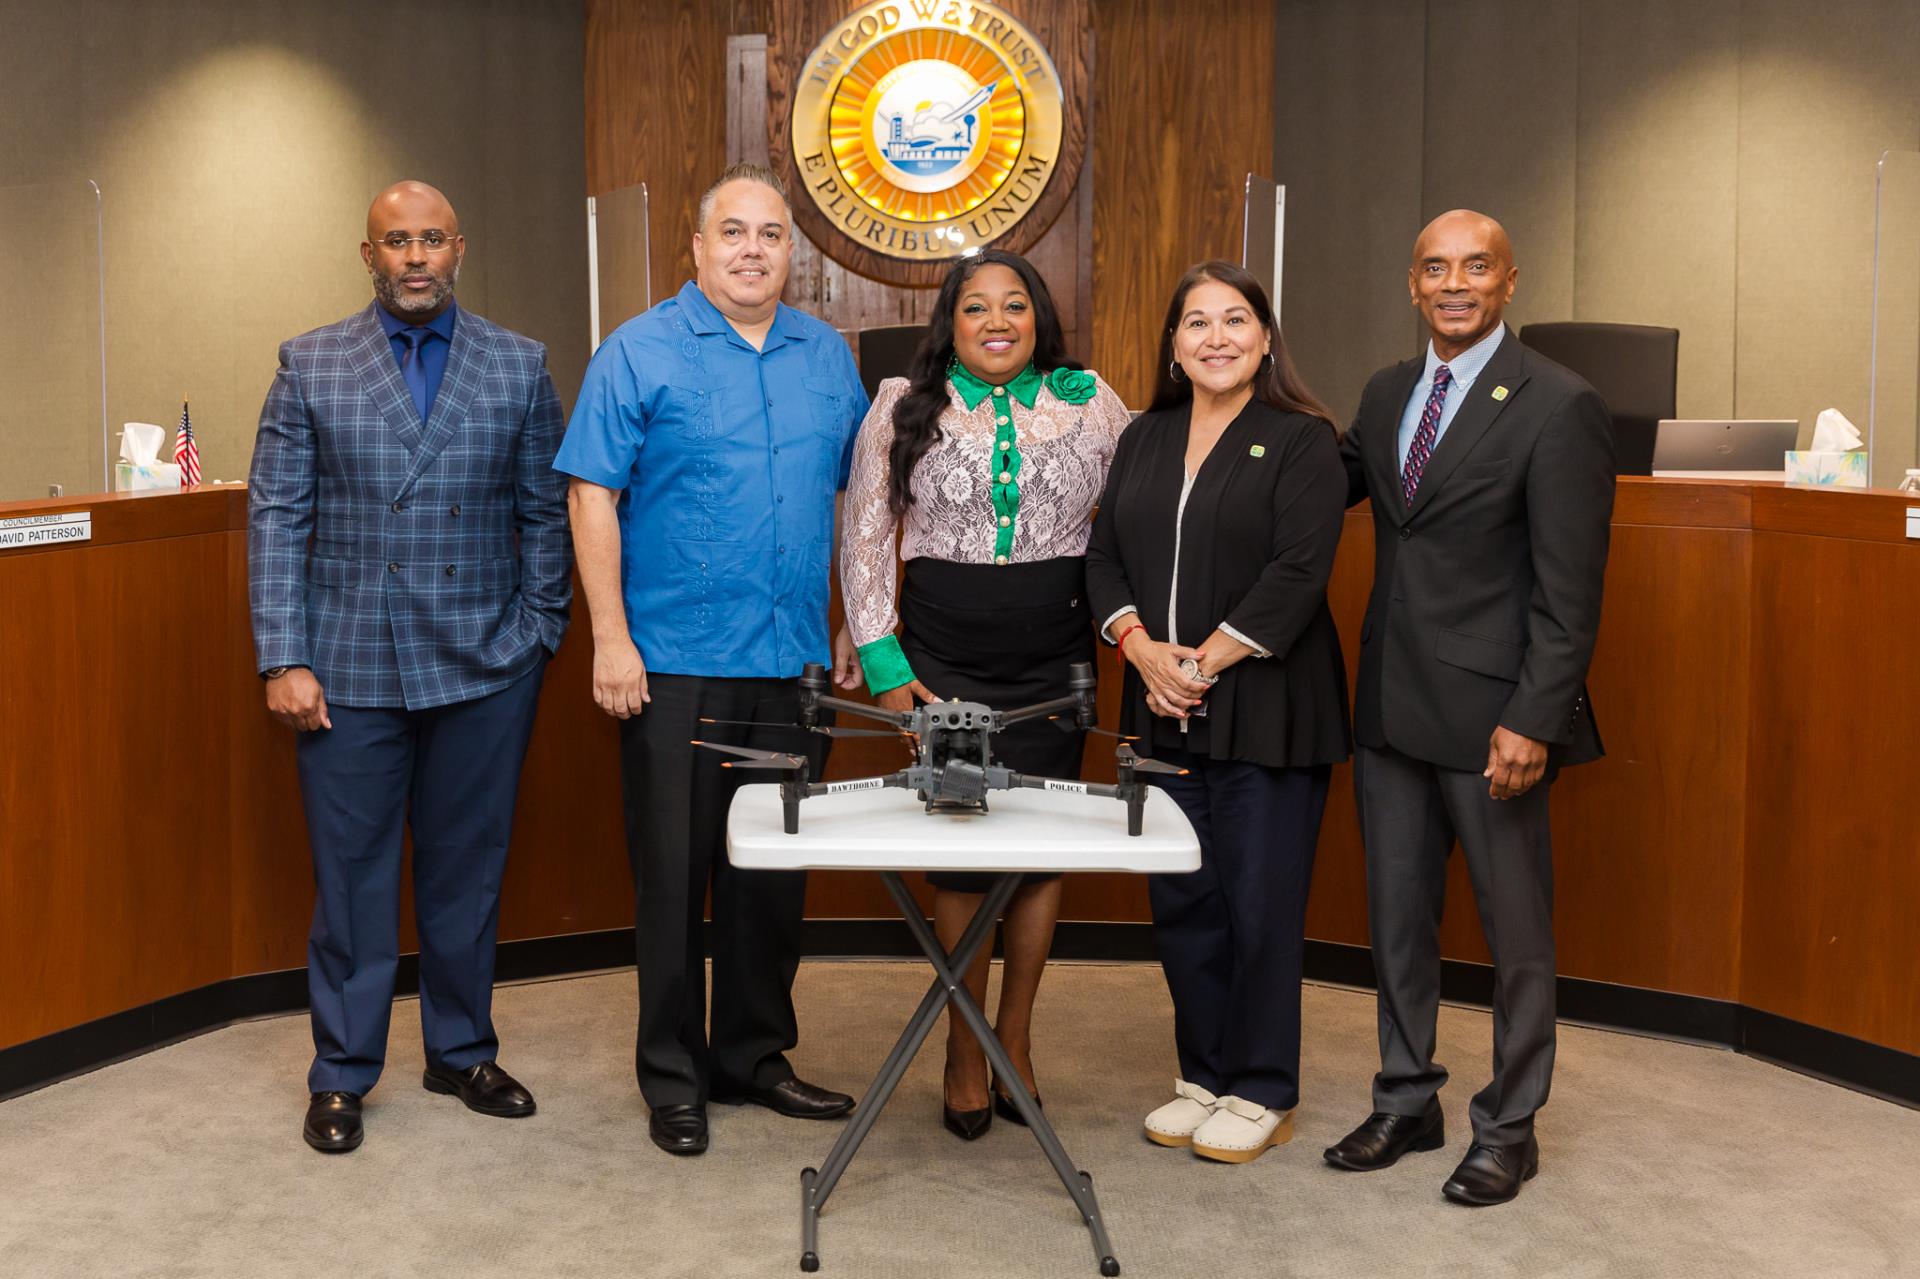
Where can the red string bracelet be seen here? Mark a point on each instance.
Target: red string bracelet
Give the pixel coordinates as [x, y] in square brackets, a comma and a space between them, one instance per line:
[1121, 643]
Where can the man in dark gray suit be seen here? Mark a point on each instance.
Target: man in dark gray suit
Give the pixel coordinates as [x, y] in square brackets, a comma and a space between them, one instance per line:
[1491, 474]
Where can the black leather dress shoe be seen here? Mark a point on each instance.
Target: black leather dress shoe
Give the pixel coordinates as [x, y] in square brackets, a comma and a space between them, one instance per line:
[1493, 1174]
[1003, 1105]
[794, 1098]
[679, 1130]
[1383, 1138]
[484, 1087]
[967, 1125]
[333, 1122]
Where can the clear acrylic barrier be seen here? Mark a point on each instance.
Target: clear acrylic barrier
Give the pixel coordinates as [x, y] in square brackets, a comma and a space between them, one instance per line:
[1264, 234]
[53, 355]
[1893, 414]
[618, 249]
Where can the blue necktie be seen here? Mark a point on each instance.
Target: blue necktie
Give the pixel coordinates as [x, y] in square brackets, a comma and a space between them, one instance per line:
[414, 369]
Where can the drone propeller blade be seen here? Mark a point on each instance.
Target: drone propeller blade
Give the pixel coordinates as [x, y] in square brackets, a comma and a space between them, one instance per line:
[784, 763]
[1124, 755]
[821, 729]
[776, 759]
[1067, 725]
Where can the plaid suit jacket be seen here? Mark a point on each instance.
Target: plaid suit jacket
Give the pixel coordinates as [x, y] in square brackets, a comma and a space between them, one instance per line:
[408, 563]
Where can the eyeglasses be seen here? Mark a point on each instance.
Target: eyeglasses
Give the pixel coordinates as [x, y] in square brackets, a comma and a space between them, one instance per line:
[432, 242]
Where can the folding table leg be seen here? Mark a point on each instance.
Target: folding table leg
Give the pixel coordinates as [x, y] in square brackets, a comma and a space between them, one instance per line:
[816, 1185]
[1079, 1184]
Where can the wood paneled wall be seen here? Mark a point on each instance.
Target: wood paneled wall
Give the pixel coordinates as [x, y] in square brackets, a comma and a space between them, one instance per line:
[1182, 113]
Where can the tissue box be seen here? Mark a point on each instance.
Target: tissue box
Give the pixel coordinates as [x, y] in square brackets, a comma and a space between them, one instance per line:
[1845, 470]
[157, 477]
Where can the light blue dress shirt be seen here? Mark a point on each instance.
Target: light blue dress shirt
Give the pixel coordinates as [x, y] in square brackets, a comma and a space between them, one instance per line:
[727, 460]
[1464, 367]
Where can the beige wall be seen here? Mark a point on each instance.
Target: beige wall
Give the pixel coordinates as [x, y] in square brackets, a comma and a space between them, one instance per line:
[1708, 166]
[237, 145]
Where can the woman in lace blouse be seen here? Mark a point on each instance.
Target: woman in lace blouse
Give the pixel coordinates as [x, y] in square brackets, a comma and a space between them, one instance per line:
[986, 463]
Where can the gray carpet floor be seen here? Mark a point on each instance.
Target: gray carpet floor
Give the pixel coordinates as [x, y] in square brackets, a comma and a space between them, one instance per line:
[1659, 1159]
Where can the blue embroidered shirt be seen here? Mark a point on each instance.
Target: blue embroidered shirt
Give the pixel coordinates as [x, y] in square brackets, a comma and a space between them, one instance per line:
[727, 460]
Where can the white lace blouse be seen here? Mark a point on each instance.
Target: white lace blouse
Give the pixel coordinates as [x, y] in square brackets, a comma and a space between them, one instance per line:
[1064, 450]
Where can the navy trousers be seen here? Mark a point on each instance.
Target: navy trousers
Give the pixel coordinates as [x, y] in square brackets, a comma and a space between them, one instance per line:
[1232, 935]
[451, 775]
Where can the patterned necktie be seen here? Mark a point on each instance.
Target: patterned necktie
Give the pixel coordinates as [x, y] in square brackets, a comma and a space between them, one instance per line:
[414, 368]
[1421, 450]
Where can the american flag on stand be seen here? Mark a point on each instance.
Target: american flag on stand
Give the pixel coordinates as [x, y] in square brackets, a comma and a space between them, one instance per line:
[186, 451]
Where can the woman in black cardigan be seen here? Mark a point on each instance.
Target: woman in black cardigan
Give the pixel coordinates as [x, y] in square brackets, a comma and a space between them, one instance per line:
[1208, 566]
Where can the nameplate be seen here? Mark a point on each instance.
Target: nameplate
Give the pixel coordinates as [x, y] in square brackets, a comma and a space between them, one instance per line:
[865, 783]
[1913, 521]
[46, 530]
[1071, 788]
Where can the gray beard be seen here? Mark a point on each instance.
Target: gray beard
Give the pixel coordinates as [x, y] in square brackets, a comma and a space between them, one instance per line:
[397, 300]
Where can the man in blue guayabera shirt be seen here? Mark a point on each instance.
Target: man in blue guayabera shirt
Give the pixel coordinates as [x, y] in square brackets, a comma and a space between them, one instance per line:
[710, 439]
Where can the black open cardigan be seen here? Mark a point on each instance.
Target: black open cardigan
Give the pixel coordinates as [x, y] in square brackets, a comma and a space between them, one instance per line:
[1256, 549]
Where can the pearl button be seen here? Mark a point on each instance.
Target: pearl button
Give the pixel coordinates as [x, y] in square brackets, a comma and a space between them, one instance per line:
[1003, 421]
[1005, 520]
[999, 559]
[1006, 477]
[1005, 445]
[999, 390]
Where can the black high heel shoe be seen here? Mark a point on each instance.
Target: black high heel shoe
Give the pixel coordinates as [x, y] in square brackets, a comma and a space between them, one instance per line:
[967, 1125]
[1003, 1103]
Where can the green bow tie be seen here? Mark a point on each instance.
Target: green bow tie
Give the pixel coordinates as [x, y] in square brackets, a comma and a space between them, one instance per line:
[1025, 388]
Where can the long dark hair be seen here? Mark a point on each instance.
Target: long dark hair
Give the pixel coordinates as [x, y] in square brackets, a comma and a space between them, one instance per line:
[916, 418]
[1277, 383]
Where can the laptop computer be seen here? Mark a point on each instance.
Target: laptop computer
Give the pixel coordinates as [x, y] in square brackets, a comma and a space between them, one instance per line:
[1698, 445]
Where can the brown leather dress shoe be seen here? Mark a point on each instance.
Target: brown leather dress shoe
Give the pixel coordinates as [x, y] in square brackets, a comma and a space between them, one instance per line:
[1383, 1138]
[794, 1098]
[487, 1089]
[1493, 1174]
[333, 1124]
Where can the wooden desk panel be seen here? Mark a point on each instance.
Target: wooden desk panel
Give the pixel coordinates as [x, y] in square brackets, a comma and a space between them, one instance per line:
[113, 825]
[1833, 796]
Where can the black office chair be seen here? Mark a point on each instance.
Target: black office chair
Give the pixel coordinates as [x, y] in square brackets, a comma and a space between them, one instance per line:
[887, 352]
[1636, 369]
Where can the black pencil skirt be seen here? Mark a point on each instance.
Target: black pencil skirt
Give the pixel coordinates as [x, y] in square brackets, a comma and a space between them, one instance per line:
[1003, 635]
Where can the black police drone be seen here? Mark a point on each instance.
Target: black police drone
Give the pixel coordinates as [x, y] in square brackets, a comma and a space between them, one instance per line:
[953, 741]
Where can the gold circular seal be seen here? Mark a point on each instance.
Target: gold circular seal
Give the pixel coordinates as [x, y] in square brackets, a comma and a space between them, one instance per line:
[924, 128]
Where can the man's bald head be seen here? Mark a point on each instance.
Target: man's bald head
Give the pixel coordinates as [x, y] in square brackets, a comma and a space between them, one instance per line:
[408, 201]
[1461, 279]
[413, 250]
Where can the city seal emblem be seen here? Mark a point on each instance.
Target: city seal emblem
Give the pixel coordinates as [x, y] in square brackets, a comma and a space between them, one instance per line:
[924, 128]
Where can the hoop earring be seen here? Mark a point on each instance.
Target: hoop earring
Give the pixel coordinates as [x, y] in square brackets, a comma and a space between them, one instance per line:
[1173, 371]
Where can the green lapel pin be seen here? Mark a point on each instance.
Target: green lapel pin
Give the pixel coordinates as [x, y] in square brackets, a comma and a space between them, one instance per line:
[1258, 450]
[1499, 392]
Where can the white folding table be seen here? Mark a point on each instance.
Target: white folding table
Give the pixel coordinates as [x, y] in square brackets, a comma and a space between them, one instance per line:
[889, 831]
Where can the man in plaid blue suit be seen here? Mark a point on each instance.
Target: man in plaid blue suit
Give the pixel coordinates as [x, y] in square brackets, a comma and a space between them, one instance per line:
[410, 574]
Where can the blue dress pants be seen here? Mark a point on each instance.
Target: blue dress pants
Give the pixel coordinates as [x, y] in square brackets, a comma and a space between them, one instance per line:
[1232, 935]
[450, 775]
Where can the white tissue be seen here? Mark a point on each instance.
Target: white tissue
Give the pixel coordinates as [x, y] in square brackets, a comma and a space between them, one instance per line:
[140, 442]
[1832, 433]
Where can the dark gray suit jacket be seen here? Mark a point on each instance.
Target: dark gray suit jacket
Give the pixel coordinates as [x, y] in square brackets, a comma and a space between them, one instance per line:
[1486, 591]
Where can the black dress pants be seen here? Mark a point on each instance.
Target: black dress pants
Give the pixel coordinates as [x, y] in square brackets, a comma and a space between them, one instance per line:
[1232, 935]
[677, 797]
